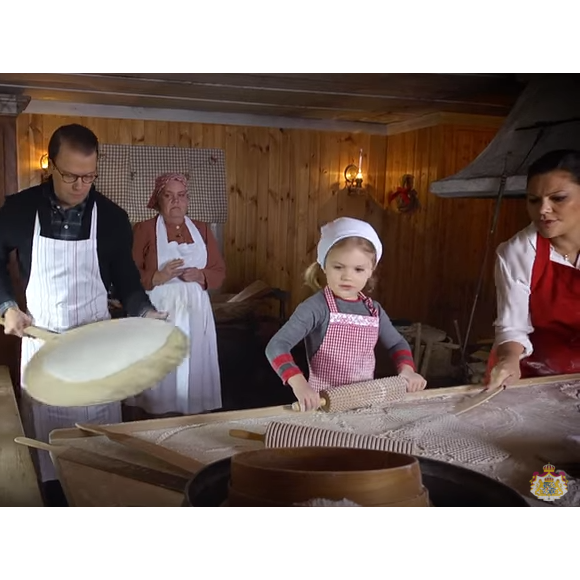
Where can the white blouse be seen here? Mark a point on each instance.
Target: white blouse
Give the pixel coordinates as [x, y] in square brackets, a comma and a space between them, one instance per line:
[513, 276]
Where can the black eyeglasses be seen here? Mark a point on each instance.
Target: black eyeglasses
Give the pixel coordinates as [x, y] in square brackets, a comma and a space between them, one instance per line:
[72, 178]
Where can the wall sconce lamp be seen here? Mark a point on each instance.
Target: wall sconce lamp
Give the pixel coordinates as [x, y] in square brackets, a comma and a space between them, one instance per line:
[44, 167]
[354, 178]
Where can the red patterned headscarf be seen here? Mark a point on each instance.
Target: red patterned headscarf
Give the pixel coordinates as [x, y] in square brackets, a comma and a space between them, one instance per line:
[160, 184]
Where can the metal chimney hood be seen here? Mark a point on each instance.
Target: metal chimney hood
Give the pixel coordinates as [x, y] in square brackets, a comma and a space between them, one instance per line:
[545, 117]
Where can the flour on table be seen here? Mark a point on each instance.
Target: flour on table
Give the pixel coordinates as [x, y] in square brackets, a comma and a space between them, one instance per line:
[447, 437]
[572, 498]
[507, 438]
[572, 390]
[319, 502]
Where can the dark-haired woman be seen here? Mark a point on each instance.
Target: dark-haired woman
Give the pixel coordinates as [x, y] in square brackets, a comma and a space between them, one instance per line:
[538, 278]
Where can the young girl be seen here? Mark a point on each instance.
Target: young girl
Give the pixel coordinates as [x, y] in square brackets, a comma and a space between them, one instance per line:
[339, 324]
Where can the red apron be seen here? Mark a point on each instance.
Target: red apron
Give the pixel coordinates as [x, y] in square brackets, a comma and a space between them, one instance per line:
[347, 352]
[555, 316]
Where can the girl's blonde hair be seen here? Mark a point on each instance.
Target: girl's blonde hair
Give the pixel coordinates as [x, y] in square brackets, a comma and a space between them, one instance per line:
[314, 273]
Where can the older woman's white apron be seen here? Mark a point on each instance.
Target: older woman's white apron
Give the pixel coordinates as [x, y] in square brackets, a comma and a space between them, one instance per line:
[65, 290]
[195, 385]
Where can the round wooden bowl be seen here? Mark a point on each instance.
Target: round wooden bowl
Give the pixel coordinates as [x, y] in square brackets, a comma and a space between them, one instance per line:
[285, 476]
[237, 499]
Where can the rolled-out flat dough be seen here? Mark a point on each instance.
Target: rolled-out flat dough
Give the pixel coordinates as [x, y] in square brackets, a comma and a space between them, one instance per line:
[104, 350]
[104, 362]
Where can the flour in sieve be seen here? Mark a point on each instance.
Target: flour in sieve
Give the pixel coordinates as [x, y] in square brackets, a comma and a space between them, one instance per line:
[320, 502]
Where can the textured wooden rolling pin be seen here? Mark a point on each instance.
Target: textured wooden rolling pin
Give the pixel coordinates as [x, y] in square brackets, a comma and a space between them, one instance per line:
[375, 393]
[292, 435]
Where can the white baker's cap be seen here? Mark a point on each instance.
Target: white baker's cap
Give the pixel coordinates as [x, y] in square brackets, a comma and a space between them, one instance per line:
[346, 227]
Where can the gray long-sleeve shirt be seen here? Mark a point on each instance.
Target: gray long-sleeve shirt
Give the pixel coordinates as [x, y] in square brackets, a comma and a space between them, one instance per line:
[309, 322]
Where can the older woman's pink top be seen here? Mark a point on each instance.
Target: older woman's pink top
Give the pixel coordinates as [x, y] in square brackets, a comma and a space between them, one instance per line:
[145, 251]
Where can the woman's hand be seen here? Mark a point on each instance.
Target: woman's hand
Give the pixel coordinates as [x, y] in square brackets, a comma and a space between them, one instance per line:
[506, 372]
[307, 397]
[171, 270]
[415, 382]
[192, 275]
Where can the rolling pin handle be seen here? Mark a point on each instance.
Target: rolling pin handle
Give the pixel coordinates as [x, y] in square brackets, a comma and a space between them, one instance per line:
[241, 434]
[297, 407]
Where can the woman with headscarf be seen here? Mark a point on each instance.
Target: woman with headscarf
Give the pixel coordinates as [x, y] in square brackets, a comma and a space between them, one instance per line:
[179, 261]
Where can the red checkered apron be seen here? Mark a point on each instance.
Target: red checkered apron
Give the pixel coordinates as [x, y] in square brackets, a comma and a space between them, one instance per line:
[555, 316]
[347, 352]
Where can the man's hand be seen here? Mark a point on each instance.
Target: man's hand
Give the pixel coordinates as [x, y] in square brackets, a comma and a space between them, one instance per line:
[16, 321]
[156, 314]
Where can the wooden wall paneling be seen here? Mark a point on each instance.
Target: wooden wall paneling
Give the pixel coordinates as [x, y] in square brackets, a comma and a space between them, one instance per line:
[251, 199]
[230, 248]
[285, 212]
[316, 183]
[276, 234]
[284, 184]
[435, 254]
[240, 218]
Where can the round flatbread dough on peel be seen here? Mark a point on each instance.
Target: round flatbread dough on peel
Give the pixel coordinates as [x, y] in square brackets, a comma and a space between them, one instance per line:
[104, 362]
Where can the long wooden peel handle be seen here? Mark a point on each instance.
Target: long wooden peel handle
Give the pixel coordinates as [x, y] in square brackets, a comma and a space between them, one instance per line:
[297, 407]
[241, 434]
[474, 402]
[173, 458]
[37, 444]
[35, 332]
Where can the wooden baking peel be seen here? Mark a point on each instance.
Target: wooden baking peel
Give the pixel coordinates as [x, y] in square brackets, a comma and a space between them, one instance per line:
[108, 464]
[186, 464]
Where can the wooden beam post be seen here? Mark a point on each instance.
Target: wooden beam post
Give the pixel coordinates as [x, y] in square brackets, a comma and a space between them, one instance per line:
[18, 481]
[10, 107]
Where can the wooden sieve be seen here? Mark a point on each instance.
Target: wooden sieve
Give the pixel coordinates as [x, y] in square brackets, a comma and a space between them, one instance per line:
[102, 362]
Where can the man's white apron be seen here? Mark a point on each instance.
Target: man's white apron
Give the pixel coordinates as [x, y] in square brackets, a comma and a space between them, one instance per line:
[65, 290]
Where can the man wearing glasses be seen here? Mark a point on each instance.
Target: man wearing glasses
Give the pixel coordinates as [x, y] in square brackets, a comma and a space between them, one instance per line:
[72, 244]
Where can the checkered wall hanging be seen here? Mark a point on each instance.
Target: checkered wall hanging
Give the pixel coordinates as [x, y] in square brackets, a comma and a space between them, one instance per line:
[127, 176]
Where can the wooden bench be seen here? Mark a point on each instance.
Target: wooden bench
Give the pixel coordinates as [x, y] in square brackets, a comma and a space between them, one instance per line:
[18, 481]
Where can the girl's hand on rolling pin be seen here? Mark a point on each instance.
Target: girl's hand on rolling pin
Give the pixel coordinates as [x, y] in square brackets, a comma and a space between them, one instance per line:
[307, 397]
[415, 382]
